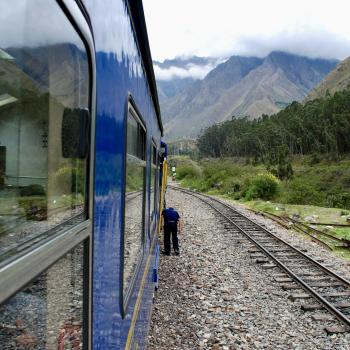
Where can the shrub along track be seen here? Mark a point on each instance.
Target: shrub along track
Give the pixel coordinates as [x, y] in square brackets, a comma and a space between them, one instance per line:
[328, 289]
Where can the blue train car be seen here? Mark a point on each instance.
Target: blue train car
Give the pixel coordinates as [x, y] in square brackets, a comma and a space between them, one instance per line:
[81, 164]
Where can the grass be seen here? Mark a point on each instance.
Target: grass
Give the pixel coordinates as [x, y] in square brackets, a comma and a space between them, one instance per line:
[342, 232]
[319, 214]
[325, 184]
[319, 191]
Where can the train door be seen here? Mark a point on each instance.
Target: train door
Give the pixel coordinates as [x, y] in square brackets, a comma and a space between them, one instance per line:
[46, 104]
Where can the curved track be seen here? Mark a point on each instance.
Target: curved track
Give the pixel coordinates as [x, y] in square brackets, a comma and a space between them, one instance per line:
[329, 289]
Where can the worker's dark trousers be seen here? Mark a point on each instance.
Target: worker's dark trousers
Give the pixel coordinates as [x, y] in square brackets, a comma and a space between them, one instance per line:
[170, 229]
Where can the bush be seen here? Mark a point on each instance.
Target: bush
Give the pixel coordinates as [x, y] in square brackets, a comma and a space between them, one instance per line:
[235, 186]
[32, 190]
[338, 199]
[216, 180]
[263, 186]
[34, 208]
[69, 178]
[188, 171]
[300, 192]
[315, 158]
[279, 163]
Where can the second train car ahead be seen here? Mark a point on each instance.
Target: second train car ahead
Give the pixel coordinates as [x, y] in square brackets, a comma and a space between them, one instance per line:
[82, 172]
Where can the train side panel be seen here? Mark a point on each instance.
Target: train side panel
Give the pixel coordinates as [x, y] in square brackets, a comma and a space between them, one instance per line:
[120, 74]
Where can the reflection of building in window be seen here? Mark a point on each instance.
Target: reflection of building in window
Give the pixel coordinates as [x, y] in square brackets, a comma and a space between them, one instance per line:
[135, 197]
[43, 73]
[36, 181]
[40, 188]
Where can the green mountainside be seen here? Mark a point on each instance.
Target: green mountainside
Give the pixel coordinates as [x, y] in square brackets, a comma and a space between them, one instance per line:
[320, 126]
[337, 80]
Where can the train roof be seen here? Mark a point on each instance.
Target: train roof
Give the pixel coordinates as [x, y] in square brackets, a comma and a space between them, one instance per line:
[139, 24]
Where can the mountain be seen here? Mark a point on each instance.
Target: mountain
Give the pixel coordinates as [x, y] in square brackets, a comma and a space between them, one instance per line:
[59, 69]
[14, 83]
[337, 80]
[202, 95]
[170, 88]
[174, 75]
[242, 86]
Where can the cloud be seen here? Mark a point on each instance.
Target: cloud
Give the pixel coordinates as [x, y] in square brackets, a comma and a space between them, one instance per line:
[251, 27]
[35, 23]
[190, 71]
[304, 41]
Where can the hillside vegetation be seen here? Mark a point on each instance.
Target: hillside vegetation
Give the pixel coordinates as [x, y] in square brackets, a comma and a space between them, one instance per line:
[319, 127]
[325, 184]
[337, 80]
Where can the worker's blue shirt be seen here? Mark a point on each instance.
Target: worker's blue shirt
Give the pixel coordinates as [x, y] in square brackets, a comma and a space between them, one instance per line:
[171, 216]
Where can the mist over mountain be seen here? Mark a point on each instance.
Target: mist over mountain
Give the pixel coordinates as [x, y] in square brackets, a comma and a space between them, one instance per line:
[174, 75]
[242, 86]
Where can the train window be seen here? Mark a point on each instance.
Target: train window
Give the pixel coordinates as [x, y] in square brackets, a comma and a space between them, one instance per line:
[134, 197]
[153, 182]
[47, 313]
[158, 183]
[44, 96]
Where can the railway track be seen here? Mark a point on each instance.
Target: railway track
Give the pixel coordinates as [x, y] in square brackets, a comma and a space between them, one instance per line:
[329, 290]
[16, 249]
[329, 241]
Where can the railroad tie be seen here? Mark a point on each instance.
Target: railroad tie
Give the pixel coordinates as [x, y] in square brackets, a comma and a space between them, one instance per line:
[311, 307]
[268, 266]
[262, 261]
[325, 295]
[322, 317]
[337, 329]
[294, 297]
[283, 279]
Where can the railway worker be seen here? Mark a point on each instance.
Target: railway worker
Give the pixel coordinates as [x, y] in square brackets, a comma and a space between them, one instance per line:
[171, 223]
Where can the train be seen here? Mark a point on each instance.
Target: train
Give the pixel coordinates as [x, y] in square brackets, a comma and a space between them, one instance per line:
[83, 173]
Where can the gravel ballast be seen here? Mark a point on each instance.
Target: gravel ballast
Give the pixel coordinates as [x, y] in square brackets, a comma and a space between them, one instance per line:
[214, 295]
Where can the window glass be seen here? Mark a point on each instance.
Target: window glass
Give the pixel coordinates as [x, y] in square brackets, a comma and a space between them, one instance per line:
[44, 94]
[135, 196]
[158, 183]
[153, 183]
[48, 313]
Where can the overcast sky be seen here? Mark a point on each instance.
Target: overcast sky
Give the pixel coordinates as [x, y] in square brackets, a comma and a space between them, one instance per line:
[220, 28]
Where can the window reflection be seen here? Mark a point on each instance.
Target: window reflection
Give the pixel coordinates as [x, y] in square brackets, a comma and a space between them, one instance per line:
[153, 182]
[134, 201]
[48, 313]
[40, 79]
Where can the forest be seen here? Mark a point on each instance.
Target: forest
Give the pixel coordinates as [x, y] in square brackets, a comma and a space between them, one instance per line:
[321, 126]
[299, 156]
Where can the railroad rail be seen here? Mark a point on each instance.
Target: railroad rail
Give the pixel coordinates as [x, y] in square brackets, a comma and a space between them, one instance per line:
[16, 249]
[330, 290]
[287, 222]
